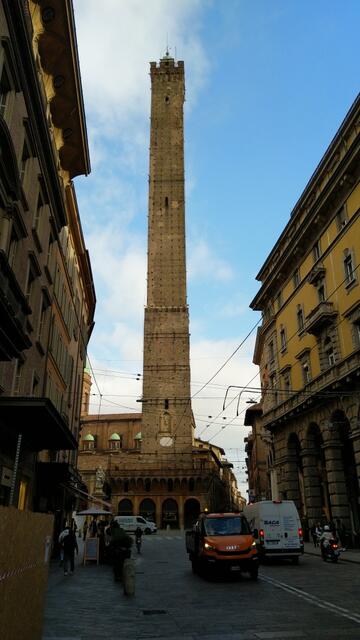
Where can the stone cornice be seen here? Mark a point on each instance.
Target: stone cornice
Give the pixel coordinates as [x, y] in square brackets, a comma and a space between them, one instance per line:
[334, 172]
[300, 403]
[57, 48]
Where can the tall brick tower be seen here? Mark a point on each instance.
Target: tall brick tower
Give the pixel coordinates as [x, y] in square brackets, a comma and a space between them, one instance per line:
[167, 422]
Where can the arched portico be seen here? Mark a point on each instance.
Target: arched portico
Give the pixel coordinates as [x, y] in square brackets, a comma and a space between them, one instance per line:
[170, 514]
[125, 507]
[295, 474]
[317, 498]
[147, 509]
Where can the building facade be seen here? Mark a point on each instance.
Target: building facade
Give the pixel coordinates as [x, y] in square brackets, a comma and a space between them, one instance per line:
[151, 463]
[47, 298]
[114, 471]
[308, 346]
[258, 462]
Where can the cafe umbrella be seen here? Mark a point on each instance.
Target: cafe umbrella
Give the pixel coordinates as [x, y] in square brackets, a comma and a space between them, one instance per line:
[93, 511]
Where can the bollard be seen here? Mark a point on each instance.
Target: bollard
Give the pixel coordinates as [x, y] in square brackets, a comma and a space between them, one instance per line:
[129, 577]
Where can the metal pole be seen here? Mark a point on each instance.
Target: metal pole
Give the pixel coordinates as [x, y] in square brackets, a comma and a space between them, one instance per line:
[15, 470]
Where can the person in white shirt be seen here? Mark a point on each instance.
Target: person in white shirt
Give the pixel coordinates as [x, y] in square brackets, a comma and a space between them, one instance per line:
[326, 536]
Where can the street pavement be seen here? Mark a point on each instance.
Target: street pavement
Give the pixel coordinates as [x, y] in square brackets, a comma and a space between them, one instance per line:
[314, 600]
[347, 555]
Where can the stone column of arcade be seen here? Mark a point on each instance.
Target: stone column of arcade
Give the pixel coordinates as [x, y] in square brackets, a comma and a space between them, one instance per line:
[336, 480]
[291, 484]
[181, 512]
[355, 437]
[312, 485]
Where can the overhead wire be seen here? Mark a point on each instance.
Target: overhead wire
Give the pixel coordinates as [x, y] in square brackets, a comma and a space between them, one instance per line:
[295, 334]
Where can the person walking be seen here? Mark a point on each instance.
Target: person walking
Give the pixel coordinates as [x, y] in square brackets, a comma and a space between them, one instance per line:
[69, 544]
[120, 549]
[93, 528]
[138, 537]
[313, 534]
[318, 534]
[63, 533]
[85, 528]
[339, 532]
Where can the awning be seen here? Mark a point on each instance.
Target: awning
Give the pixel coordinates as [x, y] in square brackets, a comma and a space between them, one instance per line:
[41, 425]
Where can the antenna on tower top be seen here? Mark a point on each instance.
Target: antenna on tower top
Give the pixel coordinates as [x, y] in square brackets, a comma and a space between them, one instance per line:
[167, 45]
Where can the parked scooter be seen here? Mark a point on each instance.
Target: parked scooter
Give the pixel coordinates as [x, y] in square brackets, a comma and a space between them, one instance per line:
[330, 550]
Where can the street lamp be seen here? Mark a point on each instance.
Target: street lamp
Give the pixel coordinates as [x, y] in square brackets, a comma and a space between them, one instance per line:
[234, 386]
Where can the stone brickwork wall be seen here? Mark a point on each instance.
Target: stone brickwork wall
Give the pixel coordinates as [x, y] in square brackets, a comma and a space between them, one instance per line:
[166, 384]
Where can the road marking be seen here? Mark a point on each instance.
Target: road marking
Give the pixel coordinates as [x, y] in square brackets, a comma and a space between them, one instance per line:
[318, 602]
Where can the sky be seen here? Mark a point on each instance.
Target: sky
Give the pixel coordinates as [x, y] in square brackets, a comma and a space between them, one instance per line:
[268, 83]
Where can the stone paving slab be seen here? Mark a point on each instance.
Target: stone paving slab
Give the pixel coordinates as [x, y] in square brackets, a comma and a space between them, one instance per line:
[91, 606]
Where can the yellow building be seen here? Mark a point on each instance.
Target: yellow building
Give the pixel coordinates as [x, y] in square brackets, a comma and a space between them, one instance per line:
[308, 346]
[257, 455]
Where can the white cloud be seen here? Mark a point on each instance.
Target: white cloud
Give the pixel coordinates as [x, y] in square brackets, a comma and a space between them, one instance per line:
[203, 264]
[117, 46]
[234, 309]
[119, 265]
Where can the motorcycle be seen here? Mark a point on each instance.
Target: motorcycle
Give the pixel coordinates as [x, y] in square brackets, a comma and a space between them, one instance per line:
[330, 551]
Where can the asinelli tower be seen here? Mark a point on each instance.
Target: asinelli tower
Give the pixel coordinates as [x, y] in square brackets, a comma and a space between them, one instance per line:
[167, 421]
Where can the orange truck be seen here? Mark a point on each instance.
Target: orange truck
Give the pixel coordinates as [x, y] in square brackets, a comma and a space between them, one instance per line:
[222, 541]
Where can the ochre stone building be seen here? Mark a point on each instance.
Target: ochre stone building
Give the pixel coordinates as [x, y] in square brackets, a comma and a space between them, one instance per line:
[47, 297]
[257, 453]
[308, 347]
[165, 474]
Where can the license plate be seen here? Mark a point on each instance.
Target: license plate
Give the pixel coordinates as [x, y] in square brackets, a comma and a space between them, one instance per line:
[235, 568]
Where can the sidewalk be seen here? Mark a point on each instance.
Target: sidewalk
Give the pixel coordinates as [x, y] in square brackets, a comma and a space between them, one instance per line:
[350, 555]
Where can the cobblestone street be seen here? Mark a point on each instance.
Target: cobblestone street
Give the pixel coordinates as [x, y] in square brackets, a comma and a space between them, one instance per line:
[171, 602]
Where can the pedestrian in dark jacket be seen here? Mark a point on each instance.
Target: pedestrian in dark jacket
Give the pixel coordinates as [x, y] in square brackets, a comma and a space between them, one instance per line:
[68, 541]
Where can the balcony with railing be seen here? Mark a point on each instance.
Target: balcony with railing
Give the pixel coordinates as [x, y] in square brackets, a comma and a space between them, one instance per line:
[317, 273]
[320, 317]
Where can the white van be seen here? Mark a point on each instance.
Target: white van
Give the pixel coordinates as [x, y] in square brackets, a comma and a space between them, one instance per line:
[276, 528]
[131, 523]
